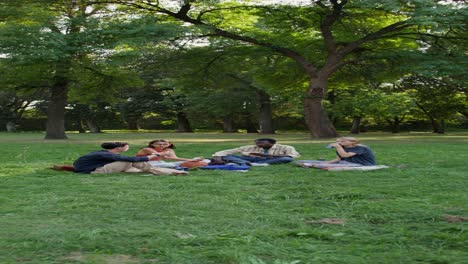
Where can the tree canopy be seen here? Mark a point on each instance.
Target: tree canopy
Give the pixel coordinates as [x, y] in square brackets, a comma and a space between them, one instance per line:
[246, 61]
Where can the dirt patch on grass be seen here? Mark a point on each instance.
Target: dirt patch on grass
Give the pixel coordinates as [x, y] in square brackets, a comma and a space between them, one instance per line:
[105, 259]
[328, 221]
[455, 218]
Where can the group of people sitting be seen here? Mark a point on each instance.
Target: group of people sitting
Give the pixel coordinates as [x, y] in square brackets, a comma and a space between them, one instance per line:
[159, 157]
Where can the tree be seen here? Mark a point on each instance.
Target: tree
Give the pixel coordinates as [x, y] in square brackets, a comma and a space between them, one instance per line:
[19, 91]
[436, 99]
[52, 33]
[70, 38]
[320, 38]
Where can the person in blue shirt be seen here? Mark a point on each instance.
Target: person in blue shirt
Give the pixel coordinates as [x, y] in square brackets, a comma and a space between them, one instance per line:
[349, 153]
[109, 160]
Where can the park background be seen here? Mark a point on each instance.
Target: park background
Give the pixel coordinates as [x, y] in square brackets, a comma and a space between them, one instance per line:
[248, 66]
[76, 73]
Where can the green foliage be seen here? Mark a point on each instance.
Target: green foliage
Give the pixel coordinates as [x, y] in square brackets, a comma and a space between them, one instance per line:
[106, 52]
[437, 99]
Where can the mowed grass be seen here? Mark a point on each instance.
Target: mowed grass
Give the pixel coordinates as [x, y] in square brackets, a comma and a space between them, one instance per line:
[405, 214]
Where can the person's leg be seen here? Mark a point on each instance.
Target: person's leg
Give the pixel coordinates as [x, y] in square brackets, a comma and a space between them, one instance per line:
[340, 163]
[277, 160]
[114, 167]
[163, 164]
[309, 161]
[133, 170]
[145, 166]
[241, 160]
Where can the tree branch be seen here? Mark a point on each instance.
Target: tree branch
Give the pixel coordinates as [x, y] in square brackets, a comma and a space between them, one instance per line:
[373, 36]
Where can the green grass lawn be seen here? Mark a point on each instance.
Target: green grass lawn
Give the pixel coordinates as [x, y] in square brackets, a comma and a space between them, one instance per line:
[267, 215]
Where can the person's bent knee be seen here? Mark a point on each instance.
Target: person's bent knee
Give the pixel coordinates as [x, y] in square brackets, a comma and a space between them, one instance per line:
[114, 167]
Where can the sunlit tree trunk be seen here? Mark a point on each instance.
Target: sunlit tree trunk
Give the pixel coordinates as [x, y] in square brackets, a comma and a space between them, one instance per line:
[81, 128]
[55, 128]
[93, 126]
[10, 127]
[316, 118]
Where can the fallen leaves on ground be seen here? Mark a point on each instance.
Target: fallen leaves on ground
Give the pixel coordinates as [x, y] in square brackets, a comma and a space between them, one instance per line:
[328, 221]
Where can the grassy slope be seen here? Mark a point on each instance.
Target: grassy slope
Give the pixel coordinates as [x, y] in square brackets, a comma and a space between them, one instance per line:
[262, 216]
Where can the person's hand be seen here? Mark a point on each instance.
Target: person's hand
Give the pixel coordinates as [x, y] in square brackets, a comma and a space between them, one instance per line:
[335, 145]
[217, 161]
[259, 154]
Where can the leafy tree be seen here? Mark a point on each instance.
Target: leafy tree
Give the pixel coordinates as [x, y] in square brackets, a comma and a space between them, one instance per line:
[321, 37]
[68, 37]
[437, 99]
[18, 92]
[394, 108]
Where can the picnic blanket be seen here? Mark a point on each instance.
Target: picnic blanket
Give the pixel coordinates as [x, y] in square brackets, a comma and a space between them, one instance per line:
[226, 167]
[363, 168]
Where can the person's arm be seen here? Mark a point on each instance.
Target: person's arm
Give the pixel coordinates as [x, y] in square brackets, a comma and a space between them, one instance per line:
[146, 152]
[118, 157]
[341, 152]
[333, 160]
[171, 155]
[227, 152]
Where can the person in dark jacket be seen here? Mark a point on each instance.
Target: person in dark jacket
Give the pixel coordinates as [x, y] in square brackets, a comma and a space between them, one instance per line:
[109, 160]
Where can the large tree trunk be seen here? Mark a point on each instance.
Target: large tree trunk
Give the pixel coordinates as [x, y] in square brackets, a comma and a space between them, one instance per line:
[132, 123]
[11, 127]
[437, 127]
[81, 128]
[265, 118]
[316, 118]
[228, 124]
[356, 125]
[249, 124]
[93, 126]
[183, 124]
[56, 110]
[396, 125]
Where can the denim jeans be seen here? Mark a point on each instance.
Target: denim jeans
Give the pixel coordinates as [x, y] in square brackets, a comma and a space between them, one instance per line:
[243, 159]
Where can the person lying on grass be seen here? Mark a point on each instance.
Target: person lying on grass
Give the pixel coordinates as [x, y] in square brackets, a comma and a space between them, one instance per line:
[349, 153]
[109, 160]
[165, 150]
[263, 153]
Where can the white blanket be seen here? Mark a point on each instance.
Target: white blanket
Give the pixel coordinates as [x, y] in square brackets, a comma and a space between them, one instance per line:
[364, 168]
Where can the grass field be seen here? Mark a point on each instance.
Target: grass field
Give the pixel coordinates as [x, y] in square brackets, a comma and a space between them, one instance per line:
[275, 214]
